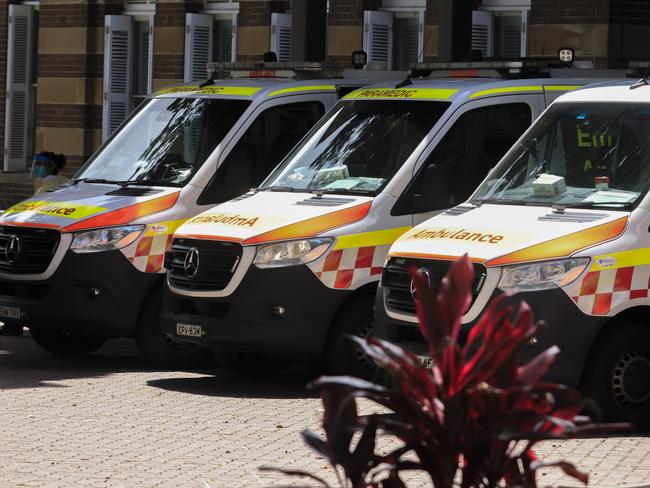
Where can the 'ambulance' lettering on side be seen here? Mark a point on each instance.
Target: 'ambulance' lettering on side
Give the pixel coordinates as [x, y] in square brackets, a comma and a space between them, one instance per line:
[225, 219]
[457, 234]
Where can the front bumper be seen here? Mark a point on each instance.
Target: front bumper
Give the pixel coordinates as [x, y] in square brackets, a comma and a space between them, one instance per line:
[248, 319]
[564, 325]
[97, 293]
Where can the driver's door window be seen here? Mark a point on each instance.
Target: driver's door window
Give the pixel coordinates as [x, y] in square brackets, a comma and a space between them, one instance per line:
[461, 160]
[264, 144]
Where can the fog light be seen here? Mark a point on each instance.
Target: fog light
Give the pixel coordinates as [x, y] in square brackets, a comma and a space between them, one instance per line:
[533, 341]
[94, 292]
[279, 310]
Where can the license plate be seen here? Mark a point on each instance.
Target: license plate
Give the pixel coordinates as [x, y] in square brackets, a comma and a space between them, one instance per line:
[189, 330]
[425, 361]
[10, 312]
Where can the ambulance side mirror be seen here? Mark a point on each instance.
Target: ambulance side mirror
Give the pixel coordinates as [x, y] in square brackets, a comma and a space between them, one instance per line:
[434, 191]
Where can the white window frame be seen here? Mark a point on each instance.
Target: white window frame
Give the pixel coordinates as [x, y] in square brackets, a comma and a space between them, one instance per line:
[220, 7]
[409, 6]
[225, 10]
[139, 7]
[280, 20]
[149, 15]
[522, 6]
[14, 163]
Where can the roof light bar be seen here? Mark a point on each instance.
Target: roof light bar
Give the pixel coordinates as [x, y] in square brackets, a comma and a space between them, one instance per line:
[274, 70]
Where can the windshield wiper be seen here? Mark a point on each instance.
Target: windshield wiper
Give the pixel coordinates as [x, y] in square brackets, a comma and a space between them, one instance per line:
[276, 188]
[100, 180]
[344, 191]
[151, 183]
[560, 208]
[499, 201]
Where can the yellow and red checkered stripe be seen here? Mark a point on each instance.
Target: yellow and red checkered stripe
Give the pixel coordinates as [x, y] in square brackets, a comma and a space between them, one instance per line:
[344, 267]
[148, 253]
[356, 259]
[602, 290]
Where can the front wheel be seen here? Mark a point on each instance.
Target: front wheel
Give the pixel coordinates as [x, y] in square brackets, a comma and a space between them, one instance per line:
[161, 349]
[342, 355]
[617, 376]
[64, 343]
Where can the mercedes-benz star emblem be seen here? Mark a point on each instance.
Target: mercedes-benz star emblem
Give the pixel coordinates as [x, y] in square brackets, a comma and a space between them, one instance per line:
[420, 272]
[191, 265]
[13, 249]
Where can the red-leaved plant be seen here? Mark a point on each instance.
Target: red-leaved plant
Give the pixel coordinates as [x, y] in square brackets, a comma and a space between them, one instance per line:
[471, 420]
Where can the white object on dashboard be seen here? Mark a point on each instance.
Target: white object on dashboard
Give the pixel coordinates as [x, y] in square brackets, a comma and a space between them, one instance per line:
[549, 185]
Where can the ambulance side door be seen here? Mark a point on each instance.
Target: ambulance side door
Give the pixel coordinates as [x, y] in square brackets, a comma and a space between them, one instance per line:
[474, 139]
[266, 137]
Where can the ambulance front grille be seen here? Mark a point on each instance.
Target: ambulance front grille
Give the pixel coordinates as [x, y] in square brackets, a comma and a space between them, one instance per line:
[217, 262]
[26, 250]
[396, 281]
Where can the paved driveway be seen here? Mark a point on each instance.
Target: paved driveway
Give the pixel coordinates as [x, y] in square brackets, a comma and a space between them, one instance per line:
[109, 420]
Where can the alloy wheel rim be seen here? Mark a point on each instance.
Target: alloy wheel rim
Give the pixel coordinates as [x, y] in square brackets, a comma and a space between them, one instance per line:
[631, 379]
[364, 333]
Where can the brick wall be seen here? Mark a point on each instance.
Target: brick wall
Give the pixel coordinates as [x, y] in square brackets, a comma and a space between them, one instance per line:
[254, 31]
[69, 85]
[631, 12]
[169, 43]
[345, 27]
[581, 24]
[3, 64]
[14, 190]
[573, 12]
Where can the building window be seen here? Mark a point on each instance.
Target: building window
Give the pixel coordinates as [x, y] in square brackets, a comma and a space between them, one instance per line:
[128, 62]
[394, 36]
[141, 62]
[140, 5]
[22, 41]
[223, 40]
[500, 28]
[210, 37]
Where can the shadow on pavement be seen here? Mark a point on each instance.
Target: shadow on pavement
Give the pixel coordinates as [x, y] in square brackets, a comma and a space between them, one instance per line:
[23, 364]
[288, 385]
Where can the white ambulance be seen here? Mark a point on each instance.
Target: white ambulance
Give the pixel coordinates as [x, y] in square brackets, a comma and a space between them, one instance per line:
[83, 262]
[564, 222]
[284, 270]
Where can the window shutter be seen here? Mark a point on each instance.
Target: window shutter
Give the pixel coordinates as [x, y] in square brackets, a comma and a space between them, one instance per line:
[235, 30]
[378, 37]
[482, 32]
[117, 72]
[281, 36]
[198, 46]
[19, 97]
[149, 59]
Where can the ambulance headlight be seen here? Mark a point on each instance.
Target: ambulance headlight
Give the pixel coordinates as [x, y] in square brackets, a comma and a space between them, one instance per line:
[290, 253]
[106, 239]
[543, 275]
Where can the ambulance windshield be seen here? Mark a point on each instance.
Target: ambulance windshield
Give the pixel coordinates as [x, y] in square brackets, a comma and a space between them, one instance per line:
[166, 142]
[577, 155]
[357, 148]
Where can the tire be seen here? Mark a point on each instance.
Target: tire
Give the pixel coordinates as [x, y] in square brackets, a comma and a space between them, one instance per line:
[343, 356]
[161, 350]
[617, 375]
[250, 365]
[67, 344]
